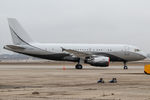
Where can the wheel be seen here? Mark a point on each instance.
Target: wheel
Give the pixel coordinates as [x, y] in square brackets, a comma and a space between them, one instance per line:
[125, 67]
[78, 66]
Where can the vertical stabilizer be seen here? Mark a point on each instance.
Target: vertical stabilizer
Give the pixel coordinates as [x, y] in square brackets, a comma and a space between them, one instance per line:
[19, 35]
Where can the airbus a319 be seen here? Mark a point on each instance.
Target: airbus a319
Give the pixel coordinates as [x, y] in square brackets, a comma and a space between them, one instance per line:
[99, 55]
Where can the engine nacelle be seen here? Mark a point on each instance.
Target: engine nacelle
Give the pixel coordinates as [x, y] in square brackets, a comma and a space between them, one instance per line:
[98, 61]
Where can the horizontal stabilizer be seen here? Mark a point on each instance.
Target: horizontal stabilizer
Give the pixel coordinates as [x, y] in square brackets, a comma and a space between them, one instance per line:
[13, 47]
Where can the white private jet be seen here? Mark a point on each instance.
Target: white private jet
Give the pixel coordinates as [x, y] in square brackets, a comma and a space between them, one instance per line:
[98, 55]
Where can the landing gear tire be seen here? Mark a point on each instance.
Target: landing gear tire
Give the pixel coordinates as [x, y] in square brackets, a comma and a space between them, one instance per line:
[78, 66]
[125, 67]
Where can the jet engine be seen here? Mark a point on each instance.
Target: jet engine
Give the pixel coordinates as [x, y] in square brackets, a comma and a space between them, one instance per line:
[100, 61]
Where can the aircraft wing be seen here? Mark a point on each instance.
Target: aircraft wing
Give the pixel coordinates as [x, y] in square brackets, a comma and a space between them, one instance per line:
[77, 53]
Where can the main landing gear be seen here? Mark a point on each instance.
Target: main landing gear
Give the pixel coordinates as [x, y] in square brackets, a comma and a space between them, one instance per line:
[125, 65]
[78, 66]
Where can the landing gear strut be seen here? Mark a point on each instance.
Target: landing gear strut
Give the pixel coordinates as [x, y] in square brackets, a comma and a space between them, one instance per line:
[78, 66]
[125, 65]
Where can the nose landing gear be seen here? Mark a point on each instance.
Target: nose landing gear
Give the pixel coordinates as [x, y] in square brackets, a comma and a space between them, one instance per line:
[125, 65]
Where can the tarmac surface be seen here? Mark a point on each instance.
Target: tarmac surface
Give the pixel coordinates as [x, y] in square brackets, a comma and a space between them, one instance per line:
[50, 82]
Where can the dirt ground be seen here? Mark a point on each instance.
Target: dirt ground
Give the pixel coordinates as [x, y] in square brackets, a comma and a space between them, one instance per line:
[45, 82]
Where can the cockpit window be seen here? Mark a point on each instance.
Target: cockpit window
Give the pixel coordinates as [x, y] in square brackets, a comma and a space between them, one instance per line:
[136, 50]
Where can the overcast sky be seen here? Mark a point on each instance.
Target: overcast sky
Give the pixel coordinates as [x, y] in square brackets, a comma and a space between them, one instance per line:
[79, 21]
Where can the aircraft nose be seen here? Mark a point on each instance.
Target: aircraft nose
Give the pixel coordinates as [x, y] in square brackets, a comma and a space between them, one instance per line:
[143, 55]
